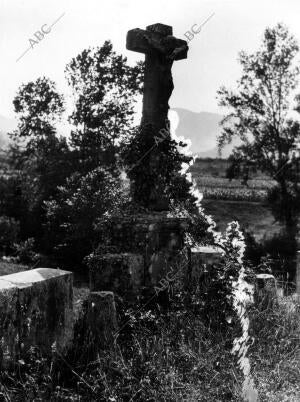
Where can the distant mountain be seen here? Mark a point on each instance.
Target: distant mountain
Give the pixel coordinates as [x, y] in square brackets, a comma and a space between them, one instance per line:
[202, 129]
[6, 125]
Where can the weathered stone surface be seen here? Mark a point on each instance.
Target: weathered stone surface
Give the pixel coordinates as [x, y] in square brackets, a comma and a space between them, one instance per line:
[155, 241]
[95, 327]
[202, 258]
[9, 330]
[36, 310]
[298, 273]
[134, 233]
[161, 49]
[101, 317]
[265, 293]
[122, 273]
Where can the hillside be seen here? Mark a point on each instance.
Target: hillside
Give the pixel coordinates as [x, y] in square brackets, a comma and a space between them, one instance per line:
[6, 125]
[202, 129]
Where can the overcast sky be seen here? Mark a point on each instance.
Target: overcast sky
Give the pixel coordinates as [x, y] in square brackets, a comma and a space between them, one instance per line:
[212, 58]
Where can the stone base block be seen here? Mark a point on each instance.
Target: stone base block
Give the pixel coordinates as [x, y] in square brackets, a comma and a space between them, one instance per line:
[151, 240]
[265, 293]
[36, 310]
[202, 258]
[122, 273]
[101, 317]
[142, 233]
[95, 328]
[298, 273]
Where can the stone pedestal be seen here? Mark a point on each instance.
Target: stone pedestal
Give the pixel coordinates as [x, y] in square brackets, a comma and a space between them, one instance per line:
[265, 292]
[36, 310]
[95, 328]
[202, 259]
[122, 272]
[146, 245]
[298, 273]
[101, 318]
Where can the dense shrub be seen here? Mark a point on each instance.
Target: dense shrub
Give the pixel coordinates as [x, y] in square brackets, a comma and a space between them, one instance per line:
[279, 251]
[73, 215]
[9, 233]
[25, 251]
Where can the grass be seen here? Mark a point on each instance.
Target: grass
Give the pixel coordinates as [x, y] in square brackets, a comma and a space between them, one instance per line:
[167, 355]
[171, 355]
[256, 218]
[159, 357]
[276, 352]
[230, 200]
[7, 268]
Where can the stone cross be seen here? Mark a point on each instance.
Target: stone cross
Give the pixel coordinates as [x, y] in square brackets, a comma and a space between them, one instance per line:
[161, 49]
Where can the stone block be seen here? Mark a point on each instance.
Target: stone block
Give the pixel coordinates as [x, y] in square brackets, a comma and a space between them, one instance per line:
[101, 317]
[202, 258]
[36, 310]
[298, 273]
[95, 327]
[122, 273]
[142, 233]
[265, 292]
[156, 237]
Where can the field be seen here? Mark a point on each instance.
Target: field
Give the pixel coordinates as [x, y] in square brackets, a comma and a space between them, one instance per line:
[253, 216]
[227, 200]
[220, 188]
[210, 176]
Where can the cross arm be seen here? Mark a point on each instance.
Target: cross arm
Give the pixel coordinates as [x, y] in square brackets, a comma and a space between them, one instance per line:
[137, 41]
[177, 48]
[159, 38]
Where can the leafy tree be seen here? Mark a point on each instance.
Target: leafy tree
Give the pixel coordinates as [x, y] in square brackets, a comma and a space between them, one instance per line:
[39, 106]
[38, 156]
[258, 113]
[105, 89]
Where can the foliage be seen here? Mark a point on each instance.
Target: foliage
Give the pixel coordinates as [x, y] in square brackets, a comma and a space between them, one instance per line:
[275, 350]
[11, 196]
[276, 254]
[160, 355]
[259, 111]
[285, 205]
[154, 167]
[9, 233]
[39, 107]
[105, 89]
[72, 217]
[169, 355]
[40, 160]
[25, 251]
